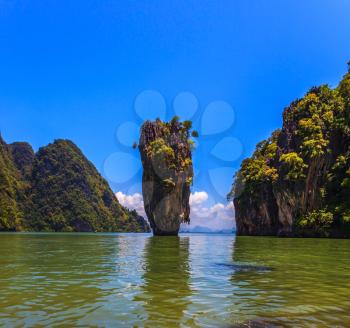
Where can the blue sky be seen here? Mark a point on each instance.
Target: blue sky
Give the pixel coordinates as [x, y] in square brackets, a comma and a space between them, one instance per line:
[74, 69]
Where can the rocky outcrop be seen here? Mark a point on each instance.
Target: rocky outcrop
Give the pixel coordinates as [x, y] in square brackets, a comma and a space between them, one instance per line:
[165, 150]
[297, 183]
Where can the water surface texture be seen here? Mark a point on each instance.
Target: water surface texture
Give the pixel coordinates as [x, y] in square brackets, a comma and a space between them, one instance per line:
[127, 280]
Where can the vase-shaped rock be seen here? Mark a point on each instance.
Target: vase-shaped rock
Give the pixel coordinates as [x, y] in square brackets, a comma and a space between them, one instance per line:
[165, 150]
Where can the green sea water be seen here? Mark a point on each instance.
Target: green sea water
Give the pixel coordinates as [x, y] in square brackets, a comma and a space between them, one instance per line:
[195, 280]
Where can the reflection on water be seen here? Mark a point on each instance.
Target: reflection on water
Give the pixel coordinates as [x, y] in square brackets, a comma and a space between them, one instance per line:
[195, 280]
[166, 291]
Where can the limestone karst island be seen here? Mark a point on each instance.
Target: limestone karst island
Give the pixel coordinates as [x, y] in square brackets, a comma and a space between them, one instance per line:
[297, 183]
[166, 154]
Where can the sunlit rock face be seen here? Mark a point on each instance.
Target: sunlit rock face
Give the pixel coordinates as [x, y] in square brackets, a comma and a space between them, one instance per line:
[166, 156]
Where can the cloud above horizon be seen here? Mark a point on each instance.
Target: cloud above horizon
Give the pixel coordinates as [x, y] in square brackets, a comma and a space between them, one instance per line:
[217, 216]
[132, 202]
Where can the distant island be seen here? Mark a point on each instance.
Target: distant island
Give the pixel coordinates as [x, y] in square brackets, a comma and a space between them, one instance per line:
[297, 183]
[58, 189]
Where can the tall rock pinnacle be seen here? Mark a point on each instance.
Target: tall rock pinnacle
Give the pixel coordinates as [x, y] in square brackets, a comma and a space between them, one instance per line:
[166, 154]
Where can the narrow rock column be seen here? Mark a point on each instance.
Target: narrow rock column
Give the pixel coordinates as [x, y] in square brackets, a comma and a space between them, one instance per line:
[166, 156]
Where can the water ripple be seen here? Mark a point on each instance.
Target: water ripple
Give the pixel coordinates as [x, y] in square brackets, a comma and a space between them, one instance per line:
[191, 281]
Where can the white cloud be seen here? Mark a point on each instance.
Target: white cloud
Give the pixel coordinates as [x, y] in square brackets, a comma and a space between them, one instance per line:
[216, 217]
[198, 197]
[132, 202]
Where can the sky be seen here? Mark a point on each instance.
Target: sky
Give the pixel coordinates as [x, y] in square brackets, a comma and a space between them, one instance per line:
[92, 71]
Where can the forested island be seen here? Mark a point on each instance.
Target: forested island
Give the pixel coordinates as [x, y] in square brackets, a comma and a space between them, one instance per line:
[297, 182]
[58, 189]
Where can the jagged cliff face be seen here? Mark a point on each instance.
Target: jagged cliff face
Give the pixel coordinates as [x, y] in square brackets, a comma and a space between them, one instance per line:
[57, 189]
[165, 151]
[298, 181]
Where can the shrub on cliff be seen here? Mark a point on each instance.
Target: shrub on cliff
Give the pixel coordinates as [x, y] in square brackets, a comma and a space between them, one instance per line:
[294, 164]
[316, 223]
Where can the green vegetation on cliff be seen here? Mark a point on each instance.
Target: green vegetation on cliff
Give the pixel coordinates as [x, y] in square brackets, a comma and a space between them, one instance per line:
[171, 150]
[57, 189]
[298, 181]
[11, 191]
